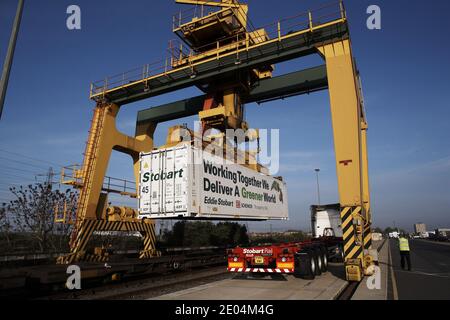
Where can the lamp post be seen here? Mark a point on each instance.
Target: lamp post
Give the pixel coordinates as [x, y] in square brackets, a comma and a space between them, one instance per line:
[10, 55]
[318, 189]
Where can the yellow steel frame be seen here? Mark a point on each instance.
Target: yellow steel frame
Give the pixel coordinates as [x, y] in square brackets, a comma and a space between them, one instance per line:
[241, 8]
[226, 4]
[350, 142]
[91, 210]
[241, 15]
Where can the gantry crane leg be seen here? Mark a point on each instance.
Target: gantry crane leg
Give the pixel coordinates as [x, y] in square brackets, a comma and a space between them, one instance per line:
[91, 209]
[366, 195]
[349, 128]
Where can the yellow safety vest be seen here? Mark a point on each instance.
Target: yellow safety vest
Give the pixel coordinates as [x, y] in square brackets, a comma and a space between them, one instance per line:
[404, 244]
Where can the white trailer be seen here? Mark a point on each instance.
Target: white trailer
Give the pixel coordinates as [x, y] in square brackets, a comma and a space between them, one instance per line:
[186, 182]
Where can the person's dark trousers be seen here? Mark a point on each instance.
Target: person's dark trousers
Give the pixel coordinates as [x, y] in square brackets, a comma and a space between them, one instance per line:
[405, 256]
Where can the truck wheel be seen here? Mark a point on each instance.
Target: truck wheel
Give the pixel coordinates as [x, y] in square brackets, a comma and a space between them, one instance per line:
[305, 265]
[324, 257]
[340, 257]
[318, 257]
[312, 266]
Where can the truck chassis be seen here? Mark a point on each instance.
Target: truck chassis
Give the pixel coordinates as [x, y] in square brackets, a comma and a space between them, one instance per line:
[305, 259]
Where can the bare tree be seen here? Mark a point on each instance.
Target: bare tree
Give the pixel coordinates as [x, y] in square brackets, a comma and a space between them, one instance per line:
[5, 228]
[33, 212]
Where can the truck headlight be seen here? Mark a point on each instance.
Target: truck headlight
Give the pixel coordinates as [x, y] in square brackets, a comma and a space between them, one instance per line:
[235, 259]
[283, 259]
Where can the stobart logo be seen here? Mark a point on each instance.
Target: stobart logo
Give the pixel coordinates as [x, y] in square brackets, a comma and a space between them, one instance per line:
[151, 176]
[258, 251]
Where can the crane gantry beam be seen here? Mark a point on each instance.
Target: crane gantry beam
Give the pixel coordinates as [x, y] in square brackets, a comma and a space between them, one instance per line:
[291, 46]
[291, 84]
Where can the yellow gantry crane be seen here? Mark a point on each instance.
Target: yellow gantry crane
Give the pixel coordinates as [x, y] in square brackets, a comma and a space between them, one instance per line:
[223, 55]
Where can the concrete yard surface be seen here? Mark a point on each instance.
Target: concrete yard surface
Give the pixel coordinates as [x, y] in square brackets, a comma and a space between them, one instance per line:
[376, 286]
[274, 287]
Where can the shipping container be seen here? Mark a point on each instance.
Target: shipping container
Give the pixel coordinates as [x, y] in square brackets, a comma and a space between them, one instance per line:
[187, 182]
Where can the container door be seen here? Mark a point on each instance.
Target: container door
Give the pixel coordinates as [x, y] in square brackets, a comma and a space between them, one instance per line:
[155, 187]
[144, 191]
[194, 181]
[175, 180]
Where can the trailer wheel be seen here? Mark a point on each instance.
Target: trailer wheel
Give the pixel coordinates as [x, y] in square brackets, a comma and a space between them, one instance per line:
[317, 253]
[305, 265]
[340, 256]
[324, 259]
[312, 266]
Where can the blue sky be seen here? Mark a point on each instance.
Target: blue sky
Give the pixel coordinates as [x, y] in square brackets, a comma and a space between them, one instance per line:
[404, 67]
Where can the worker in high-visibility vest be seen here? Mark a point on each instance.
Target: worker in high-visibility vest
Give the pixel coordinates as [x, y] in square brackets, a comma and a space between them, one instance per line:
[403, 244]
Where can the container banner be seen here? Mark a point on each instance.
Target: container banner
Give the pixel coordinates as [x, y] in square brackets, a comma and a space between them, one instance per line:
[229, 187]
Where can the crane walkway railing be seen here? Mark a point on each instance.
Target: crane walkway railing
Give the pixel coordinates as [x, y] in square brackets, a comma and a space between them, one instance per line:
[194, 12]
[188, 58]
[70, 175]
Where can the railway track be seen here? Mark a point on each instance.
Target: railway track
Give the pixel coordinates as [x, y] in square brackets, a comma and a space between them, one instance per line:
[147, 287]
[48, 281]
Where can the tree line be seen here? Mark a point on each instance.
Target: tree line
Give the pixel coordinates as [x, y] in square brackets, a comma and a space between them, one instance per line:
[205, 233]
